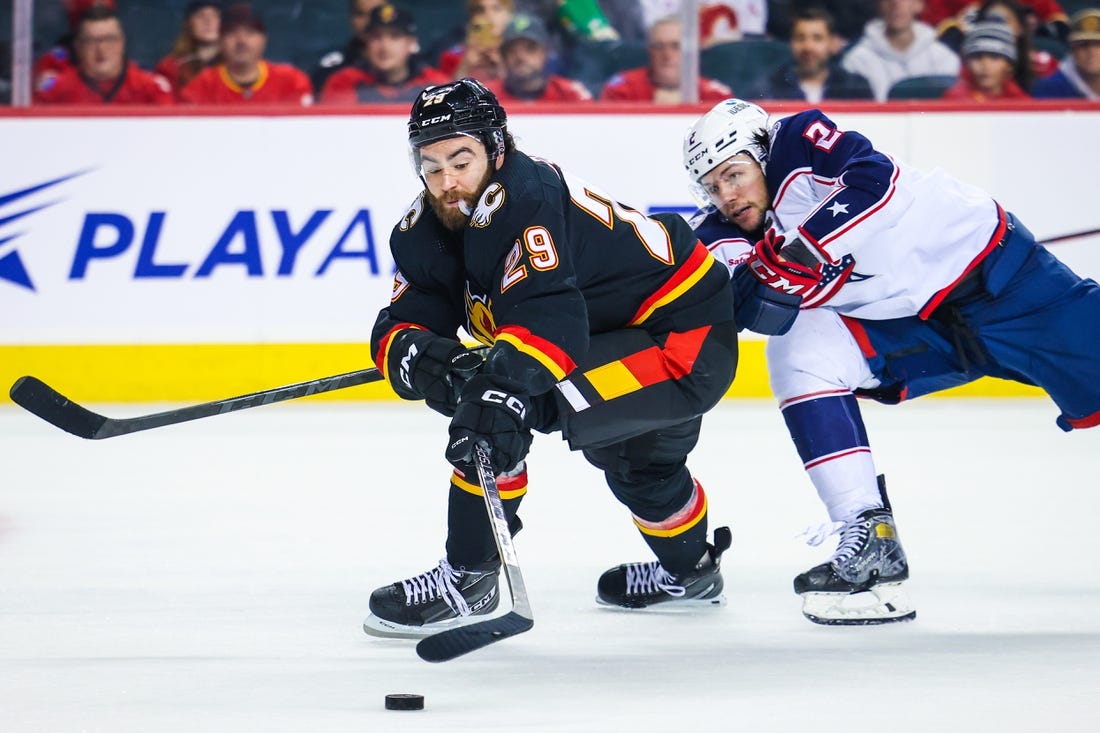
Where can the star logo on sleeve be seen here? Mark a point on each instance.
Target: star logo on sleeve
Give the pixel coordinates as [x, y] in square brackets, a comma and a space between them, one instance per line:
[838, 208]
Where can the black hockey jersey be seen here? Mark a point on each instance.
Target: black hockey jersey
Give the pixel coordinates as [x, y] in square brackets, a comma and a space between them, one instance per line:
[545, 261]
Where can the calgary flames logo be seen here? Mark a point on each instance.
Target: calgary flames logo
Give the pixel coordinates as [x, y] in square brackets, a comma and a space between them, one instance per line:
[479, 317]
[491, 200]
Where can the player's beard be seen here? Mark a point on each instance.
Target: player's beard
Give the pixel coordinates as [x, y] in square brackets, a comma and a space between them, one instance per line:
[453, 217]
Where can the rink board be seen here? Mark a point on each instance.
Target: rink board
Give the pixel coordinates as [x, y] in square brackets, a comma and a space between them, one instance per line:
[185, 258]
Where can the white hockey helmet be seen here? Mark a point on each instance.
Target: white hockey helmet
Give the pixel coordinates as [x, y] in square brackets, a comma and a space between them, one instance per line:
[732, 126]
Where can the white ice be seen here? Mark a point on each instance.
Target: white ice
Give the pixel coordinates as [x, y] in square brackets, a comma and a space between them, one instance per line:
[213, 577]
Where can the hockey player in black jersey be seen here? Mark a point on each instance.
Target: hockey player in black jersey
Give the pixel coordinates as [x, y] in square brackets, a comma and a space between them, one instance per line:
[609, 326]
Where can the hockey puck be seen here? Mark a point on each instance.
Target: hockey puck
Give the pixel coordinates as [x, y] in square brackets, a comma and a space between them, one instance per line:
[404, 701]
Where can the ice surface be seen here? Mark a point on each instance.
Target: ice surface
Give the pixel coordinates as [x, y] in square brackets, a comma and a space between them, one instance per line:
[213, 577]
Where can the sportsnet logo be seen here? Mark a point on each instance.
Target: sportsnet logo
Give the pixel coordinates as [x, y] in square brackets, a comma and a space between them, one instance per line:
[12, 268]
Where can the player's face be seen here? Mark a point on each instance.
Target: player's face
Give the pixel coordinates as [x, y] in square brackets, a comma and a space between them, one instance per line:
[456, 172]
[100, 49]
[243, 46]
[811, 45]
[740, 191]
[204, 24]
[388, 51]
[989, 71]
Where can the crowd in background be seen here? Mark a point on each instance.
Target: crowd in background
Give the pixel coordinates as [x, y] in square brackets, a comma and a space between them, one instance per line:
[580, 50]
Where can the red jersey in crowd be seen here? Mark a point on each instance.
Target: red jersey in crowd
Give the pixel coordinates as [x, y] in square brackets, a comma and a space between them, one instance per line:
[634, 86]
[353, 85]
[134, 86]
[276, 84]
[558, 89]
[937, 11]
[965, 90]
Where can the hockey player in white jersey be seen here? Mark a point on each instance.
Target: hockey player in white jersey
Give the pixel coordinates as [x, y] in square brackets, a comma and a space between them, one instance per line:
[882, 281]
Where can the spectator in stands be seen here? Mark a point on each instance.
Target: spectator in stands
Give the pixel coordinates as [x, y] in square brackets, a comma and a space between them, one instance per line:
[348, 54]
[896, 46]
[989, 65]
[525, 51]
[659, 81]
[1021, 19]
[814, 73]
[244, 76]
[478, 55]
[850, 16]
[390, 72]
[196, 47]
[951, 18]
[61, 55]
[103, 74]
[1078, 76]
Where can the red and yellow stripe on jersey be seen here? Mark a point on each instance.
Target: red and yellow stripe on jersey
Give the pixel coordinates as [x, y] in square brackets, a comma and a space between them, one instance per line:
[510, 487]
[697, 265]
[680, 522]
[556, 361]
[635, 371]
[382, 357]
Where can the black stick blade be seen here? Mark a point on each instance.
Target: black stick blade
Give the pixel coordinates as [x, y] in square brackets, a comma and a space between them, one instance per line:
[39, 398]
[447, 645]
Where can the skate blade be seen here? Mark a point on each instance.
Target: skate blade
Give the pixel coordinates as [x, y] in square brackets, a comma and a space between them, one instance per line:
[887, 603]
[381, 628]
[673, 606]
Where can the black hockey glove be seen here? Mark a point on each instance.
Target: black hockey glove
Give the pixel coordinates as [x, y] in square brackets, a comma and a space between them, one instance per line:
[781, 274]
[423, 366]
[760, 308]
[491, 410]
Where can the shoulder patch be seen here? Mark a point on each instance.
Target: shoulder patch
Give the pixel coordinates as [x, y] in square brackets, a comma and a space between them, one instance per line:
[489, 204]
[412, 214]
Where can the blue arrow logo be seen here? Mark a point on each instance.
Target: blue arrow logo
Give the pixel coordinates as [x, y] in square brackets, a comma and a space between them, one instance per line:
[12, 268]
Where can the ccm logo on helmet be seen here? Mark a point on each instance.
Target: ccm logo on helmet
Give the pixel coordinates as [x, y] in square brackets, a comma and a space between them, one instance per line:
[510, 401]
[434, 120]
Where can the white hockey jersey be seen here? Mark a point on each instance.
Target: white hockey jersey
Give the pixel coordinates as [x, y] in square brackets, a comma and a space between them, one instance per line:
[892, 240]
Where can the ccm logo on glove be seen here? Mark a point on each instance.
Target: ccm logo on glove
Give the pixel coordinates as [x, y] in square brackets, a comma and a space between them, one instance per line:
[513, 403]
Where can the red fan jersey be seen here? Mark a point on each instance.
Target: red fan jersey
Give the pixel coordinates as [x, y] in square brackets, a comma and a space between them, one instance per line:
[634, 86]
[558, 89]
[353, 84]
[277, 84]
[134, 86]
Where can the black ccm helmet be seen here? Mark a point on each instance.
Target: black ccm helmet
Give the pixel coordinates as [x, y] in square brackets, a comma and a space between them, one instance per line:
[463, 107]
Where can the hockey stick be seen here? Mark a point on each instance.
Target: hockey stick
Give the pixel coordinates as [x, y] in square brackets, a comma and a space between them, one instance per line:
[455, 642]
[1067, 237]
[36, 396]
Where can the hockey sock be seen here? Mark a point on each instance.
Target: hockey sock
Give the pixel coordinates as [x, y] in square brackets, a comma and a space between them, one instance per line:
[830, 437]
[679, 540]
[469, 535]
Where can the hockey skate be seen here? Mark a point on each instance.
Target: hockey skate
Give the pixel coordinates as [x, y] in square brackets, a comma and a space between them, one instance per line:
[644, 584]
[441, 598]
[862, 582]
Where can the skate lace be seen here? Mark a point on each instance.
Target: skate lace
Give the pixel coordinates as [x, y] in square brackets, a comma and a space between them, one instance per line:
[853, 535]
[439, 582]
[646, 578]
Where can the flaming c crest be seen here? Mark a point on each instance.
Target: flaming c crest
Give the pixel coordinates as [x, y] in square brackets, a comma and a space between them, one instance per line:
[479, 318]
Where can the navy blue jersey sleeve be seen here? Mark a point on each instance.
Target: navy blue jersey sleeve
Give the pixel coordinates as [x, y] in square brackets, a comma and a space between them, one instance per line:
[841, 162]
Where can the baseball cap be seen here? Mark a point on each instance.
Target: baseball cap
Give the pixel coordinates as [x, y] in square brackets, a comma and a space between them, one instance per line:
[526, 26]
[76, 8]
[990, 36]
[241, 15]
[1085, 25]
[390, 16]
